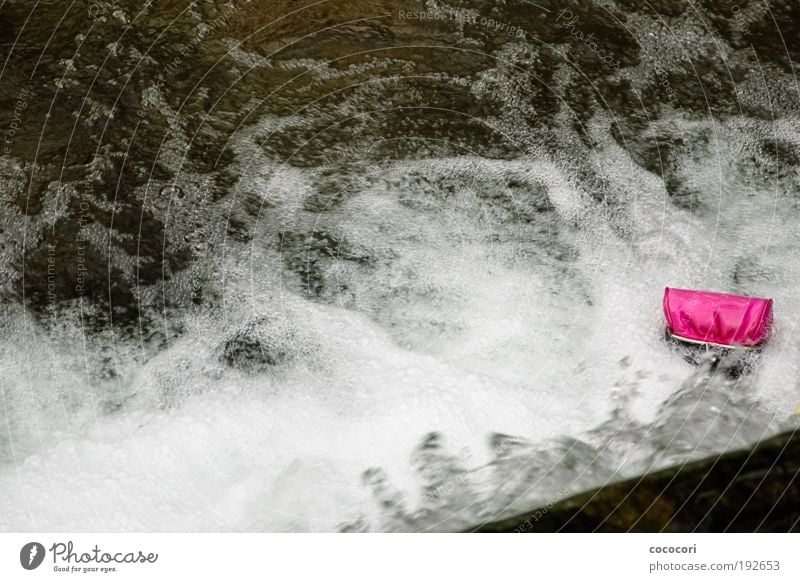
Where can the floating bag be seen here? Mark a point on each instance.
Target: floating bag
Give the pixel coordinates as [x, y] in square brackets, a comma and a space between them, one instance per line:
[718, 319]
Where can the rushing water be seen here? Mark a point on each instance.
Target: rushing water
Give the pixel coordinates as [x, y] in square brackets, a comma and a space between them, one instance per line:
[380, 266]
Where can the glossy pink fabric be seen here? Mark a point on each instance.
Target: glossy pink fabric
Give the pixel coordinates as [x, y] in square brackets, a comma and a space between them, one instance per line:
[717, 318]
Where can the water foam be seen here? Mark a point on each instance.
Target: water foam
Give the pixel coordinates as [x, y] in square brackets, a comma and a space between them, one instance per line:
[462, 296]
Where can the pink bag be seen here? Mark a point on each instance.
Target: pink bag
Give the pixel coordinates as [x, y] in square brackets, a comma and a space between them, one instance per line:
[717, 318]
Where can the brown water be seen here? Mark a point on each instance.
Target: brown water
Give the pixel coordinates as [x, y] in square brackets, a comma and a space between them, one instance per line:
[379, 265]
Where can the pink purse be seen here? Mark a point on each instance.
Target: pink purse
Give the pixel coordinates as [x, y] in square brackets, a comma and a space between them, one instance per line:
[719, 319]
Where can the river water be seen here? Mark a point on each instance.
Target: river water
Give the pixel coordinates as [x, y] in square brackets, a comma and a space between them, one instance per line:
[380, 266]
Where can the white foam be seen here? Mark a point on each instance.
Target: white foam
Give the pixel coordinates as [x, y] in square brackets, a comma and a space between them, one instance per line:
[466, 322]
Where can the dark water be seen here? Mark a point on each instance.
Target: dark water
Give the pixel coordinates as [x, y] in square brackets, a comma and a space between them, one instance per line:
[380, 265]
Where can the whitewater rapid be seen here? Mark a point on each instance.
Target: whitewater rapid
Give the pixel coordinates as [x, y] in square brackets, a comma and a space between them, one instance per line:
[498, 298]
[347, 269]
